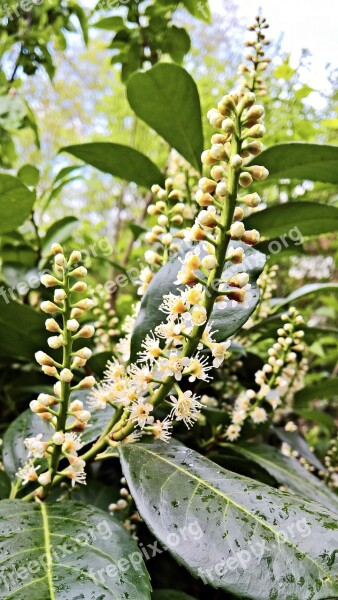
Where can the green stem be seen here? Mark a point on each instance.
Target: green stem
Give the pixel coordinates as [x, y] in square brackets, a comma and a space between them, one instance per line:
[65, 386]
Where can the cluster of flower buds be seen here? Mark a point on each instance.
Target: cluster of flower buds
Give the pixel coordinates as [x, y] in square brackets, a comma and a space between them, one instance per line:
[67, 418]
[169, 209]
[106, 320]
[331, 463]
[278, 380]
[256, 58]
[126, 505]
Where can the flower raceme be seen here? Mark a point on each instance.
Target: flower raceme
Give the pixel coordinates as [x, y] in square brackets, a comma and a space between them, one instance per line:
[172, 353]
[278, 380]
[68, 418]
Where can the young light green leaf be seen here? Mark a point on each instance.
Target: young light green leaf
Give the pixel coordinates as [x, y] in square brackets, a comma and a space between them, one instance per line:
[166, 98]
[225, 321]
[16, 202]
[233, 532]
[296, 220]
[67, 550]
[118, 160]
[29, 175]
[290, 473]
[299, 160]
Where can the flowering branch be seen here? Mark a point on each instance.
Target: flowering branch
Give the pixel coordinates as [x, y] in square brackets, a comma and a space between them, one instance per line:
[66, 417]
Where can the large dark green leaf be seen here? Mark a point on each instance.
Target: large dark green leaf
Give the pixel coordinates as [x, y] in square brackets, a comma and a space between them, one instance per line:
[306, 290]
[27, 424]
[225, 321]
[118, 160]
[67, 551]
[22, 328]
[296, 219]
[297, 160]
[289, 472]
[214, 522]
[166, 98]
[16, 202]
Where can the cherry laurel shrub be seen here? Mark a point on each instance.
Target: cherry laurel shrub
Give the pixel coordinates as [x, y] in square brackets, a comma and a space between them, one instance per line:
[203, 281]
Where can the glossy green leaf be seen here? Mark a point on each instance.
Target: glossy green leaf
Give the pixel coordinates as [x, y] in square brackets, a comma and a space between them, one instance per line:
[327, 388]
[299, 160]
[67, 551]
[118, 160]
[16, 203]
[166, 98]
[59, 232]
[290, 473]
[27, 424]
[214, 521]
[307, 290]
[225, 321]
[29, 175]
[22, 328]
[294, 220]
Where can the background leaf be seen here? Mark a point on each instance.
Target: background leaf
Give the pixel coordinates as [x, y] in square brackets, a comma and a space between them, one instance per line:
[174, 487]
[289, 472]
[324, 389]
[166, 98]
[225, 321]
[118, 160]
[311, 218]
[22, 329]
[80, 547]
[306, 290]
[16, 202]
[59, 232]
[299, 160]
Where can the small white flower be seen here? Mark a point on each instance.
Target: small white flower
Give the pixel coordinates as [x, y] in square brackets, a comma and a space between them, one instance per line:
[72, 443]
[237, 230]
[28, 472]
[59, 295]
[58, 438]
[75, 471]
[233, 432]
[55, 341]
[151, 349]
[161, 430]
[36, 447]
[258, 415]
[197, 368]
[198, 315]
[219, 352]
[140, 413]
[186, 408]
